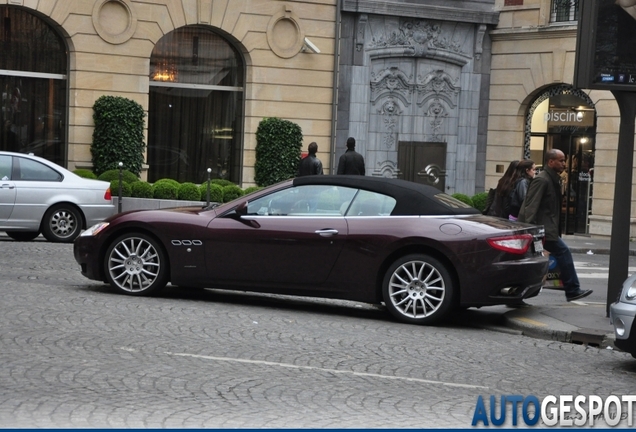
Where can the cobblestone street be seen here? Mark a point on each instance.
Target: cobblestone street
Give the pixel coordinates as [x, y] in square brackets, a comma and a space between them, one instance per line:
[75, 354]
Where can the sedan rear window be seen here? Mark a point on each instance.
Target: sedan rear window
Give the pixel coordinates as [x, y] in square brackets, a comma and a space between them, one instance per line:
[31, 170]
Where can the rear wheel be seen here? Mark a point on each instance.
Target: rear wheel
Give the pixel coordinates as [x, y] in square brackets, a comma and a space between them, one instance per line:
[23, 235]
[136, 264]
[418, 289]
[62, 223]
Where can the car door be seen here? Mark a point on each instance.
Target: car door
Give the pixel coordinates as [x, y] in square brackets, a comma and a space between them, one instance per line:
[7, 188]
[35, 183]
[293, 236]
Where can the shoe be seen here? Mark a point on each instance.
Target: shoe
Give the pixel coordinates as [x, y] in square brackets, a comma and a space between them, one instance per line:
[578, 295]
[518, 305]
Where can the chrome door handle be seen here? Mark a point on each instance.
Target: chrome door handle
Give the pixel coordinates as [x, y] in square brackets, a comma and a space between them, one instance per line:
[327, 232]
[7, 186]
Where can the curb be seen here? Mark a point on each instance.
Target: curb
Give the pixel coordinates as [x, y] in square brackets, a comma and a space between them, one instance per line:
[533, 323]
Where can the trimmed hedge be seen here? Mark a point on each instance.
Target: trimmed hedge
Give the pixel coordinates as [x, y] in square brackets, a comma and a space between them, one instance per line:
[231, 192]
[463, 198]
[216, 192]
[188, 192]
[278, 145]
[84, 173]
[118, 135]
[479, 201]
[113, 174]
[141, 189]
[125, 188]
[165, 190]
[251, 189]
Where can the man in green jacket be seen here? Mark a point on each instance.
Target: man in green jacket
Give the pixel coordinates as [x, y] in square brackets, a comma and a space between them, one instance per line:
[542, 206]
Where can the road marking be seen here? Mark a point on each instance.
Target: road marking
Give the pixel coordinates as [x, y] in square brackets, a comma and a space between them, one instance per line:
[335, 371]
[531, 321]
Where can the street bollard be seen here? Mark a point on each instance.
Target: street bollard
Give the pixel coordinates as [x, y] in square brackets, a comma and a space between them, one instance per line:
[208, 192]
[121, 179]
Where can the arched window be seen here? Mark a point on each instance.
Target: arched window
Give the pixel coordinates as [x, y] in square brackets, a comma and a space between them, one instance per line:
[195, 113]
[33, 67]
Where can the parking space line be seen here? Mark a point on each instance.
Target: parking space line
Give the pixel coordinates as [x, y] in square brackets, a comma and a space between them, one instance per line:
[335, 371]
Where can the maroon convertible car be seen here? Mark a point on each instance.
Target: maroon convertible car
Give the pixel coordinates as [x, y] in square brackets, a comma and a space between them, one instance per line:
[417, 250]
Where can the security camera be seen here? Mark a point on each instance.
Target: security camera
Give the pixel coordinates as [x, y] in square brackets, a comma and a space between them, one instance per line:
[309, 46]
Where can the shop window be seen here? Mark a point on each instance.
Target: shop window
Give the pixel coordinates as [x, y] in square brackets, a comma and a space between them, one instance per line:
[195, 111]
[34, 86]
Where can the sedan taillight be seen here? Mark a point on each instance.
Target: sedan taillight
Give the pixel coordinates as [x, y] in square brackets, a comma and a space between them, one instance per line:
[516, 244]
[107, 195]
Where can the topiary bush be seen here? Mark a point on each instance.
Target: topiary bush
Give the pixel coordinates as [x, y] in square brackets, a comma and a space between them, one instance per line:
[84, 173]
[125, 188]
[216, 192]
[479, 201]
[141, 189]
[251, 189]
[165, 190]
[118, 135]
[463, 198]
[168, 180]
[188, 192]
[231, 192]
[113, 174]
[278, 145]
[221, 182]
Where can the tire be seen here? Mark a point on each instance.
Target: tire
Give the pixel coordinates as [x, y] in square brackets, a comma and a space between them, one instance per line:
[418, 289]
[136, 264]
[62, 224]
[23, 235]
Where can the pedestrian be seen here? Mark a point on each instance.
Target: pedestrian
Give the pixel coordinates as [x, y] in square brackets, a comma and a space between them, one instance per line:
[526, 170]
[351, 162]
[542, 206]
[499, 201]
[310, 164]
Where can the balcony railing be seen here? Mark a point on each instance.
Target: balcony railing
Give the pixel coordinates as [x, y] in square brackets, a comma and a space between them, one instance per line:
[564, 11]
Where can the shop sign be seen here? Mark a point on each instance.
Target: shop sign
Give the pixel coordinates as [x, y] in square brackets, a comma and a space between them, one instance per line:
[567, 117]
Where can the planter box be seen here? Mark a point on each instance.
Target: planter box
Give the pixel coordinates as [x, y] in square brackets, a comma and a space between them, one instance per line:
[128, 203]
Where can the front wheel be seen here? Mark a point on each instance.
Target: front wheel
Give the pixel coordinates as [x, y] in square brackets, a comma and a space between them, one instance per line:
[418, 289]
[136, 264]
[62, 224]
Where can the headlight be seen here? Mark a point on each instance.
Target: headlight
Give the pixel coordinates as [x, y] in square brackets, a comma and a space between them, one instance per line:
[95, 229]
[630, 293]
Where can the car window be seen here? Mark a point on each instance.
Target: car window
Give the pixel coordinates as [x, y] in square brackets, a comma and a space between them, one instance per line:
[36, 171]
[308, 200]
[5, 167]
[371, 204]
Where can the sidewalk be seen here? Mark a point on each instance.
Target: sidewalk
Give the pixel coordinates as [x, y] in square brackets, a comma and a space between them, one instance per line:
[552, 317]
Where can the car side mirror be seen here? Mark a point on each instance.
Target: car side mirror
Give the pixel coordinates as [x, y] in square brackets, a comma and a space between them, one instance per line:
[241, 209]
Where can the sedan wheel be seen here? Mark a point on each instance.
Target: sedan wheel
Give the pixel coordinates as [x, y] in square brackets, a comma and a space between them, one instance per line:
[62, 224]
[418, 289]
[23, 235]
[136, 264]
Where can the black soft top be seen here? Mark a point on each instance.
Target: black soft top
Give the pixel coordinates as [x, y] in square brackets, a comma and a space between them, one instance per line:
[412, 198]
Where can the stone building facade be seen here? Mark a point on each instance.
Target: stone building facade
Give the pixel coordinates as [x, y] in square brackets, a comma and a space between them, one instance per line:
[532, 101]
[232, 62]
[413, 89]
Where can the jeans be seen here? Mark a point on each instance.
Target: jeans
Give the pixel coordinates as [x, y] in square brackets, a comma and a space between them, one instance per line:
[563, 256]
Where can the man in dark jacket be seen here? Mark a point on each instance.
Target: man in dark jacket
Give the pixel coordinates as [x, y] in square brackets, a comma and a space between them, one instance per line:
[351, 162]
[310, 165]
[542, 206]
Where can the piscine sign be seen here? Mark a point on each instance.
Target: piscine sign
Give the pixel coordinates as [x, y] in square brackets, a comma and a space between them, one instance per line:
[568, 117]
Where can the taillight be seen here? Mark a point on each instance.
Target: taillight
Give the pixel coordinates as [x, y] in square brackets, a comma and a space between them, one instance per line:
[516, 244]
[107, 195]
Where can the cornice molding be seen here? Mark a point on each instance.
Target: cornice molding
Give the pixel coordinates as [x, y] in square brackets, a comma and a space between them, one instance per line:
[533, 33]
[430, 12]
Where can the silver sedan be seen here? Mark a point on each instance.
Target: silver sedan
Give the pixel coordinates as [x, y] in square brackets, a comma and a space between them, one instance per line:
[38, 196]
